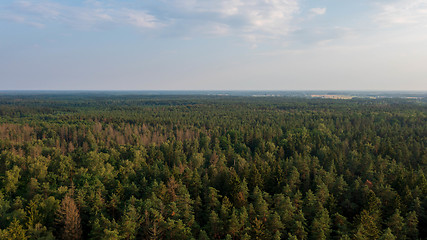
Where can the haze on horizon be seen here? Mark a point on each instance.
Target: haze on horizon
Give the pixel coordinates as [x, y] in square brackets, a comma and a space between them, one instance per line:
[213, 45]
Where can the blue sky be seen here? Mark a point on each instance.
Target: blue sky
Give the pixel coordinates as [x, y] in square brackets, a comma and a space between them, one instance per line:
[213, 45]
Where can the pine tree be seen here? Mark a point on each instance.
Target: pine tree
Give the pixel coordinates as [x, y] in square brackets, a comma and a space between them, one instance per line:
[396, 224]
[258, 229]
[292, 237]
[344, 237]
[387, 235]
[225, 209]
[130, 223]
[244, 220]
[69, 219]
[411, 226]
[214, 224]
[260, 205]
[233, 223]
[11, 179]
[15, 231]
[277, 235]
[369, 219]
[241, 197]
[368, 226]
[154, 223]
[203, 235]
[212, 201]
[110, 234]
[177, 230]
[311, 206]
[320, 228]
[298, 226]
[274, 224]
[340, 226]
[246, 237]
[284, 207]
[32, 214]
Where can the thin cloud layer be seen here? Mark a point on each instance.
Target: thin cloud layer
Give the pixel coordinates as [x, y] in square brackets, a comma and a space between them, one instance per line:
[403, 12]
[249, 19]
[318, 11]
[41, 13]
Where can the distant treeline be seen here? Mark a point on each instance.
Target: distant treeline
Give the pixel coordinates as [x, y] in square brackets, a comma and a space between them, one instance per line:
[82, 166]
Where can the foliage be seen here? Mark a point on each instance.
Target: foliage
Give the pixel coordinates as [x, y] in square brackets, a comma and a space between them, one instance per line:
[99, 166]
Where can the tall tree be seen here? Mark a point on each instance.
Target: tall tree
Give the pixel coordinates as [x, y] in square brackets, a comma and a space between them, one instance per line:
[396, 224]
[69, 220]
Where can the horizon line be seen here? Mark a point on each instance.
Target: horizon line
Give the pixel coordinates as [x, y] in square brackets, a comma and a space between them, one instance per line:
[201, 90]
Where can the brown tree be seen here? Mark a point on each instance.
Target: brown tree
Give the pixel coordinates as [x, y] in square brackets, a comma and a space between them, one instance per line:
[69, 220]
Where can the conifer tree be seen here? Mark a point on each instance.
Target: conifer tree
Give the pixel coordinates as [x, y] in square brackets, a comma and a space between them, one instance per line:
[395, 224]
[130, 223]
[298, 227]
[277, 235]
[340, 226]
[214, 224]
[69, 219]
[368, 226]
[274, 224]
[320, 228]
[203, 235]
[388, 235]
[233, 223]
[260, 205]
[411, 226]
[284, 207]
[292, 237]
[15, 231]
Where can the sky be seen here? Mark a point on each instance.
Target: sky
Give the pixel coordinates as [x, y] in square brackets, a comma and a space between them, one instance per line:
[213, 45]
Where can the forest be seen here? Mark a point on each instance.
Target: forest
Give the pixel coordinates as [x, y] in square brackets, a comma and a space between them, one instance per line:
[100, 166]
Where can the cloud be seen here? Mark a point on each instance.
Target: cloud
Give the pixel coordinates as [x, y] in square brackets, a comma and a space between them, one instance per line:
[403, 12]
[88, 16]
[252, 20]
[317, 11]
[20, 19]
[249, 19]
[136, 18]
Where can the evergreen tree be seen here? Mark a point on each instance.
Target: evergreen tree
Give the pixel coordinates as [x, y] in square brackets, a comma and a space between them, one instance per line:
[387, 235]
[320, 228]
[130, 223]
[203, 235]
[233, 223]
[410, 228]
[368, 226]
[214, 225]
[15, 231]
[298, 227]
[274, 224]
[395, 224]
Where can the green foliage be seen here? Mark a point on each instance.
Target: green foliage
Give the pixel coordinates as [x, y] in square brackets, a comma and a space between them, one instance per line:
[396, 224]
[320, 227]
[85, 166]
[388, 235]
[15, 231]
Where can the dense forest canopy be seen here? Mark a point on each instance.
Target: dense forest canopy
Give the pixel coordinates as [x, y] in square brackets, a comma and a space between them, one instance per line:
[82, 166]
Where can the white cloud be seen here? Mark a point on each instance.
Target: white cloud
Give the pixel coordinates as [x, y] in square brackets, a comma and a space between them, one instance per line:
[86, 16]
[318, 11]
[249, 19]
[136, 18]
[403, 12]
[214, 29]
[20, 19]
[252, 20]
